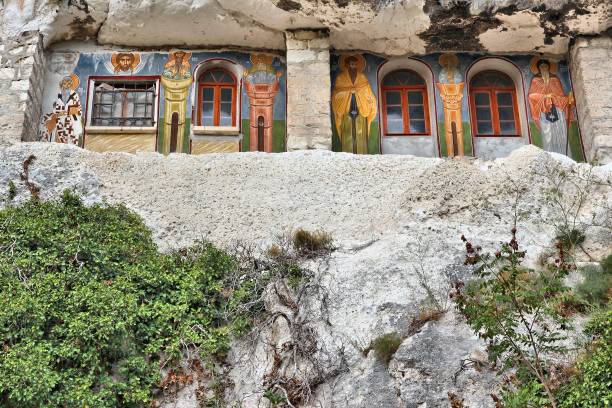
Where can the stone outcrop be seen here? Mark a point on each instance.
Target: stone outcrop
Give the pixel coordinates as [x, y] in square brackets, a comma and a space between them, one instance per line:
[396, 220]
[391, 27]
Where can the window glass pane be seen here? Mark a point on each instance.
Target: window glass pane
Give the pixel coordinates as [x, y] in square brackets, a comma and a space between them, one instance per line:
[485, 128]
[395, 126]
[492, 79]
[225, 110]
[507, 128]
[483, 114]
[207, 114]
[139, 111]
[393, 98]
[417, 126]
[481, 98]
[506, 114]
[208, 94]
[217, 76]
[226, 95]
[403, 77]
[415, 98]
[225, 121]
[504, 98]
[394, 113]
[416, 112]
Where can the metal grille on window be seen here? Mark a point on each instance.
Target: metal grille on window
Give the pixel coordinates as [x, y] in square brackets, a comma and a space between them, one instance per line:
[124, 103]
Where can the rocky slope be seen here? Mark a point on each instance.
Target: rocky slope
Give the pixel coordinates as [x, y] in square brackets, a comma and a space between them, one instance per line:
[396, 221]
[391, 27]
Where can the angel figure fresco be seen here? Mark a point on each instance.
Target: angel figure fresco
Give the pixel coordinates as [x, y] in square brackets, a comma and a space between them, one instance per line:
[178, 67]
[63, 124]
[551, 108]
[125, 62]
[353, 104]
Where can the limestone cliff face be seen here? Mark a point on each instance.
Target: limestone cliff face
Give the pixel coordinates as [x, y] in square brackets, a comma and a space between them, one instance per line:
[396, 220]
[391, 27]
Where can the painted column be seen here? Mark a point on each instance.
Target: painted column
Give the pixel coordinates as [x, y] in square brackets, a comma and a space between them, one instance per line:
[451, 92]
[452, 96]
[261, 84]
[308, 90]
[592, 85]
[176, 81]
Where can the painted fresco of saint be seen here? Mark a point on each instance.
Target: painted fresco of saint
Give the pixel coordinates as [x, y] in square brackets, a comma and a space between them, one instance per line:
[63, 124]
[353, 104]
[125, 62]
[551, 108]
[178, 67]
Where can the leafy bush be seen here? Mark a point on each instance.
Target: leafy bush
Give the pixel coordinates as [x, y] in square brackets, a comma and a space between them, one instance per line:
[385, 346]
[596, 288]
[90, 310]
[515, 309]
[592, 387]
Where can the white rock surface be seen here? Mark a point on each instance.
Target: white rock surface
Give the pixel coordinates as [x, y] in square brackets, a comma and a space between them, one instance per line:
[390, 27]
[389, 215]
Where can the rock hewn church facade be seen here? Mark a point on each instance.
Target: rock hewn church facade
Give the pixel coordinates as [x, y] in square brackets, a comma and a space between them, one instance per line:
[423, 78]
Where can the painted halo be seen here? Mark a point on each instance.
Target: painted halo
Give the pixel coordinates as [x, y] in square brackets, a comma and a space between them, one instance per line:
[172, 56]
[72, 82]
[448, 60]
[533, 65]
[115, 61]
[361, 63]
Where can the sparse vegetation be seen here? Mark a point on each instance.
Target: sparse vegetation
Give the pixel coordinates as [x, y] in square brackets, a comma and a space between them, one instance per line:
[385, 346]
[312, 243]
[514, 309]
[524, 315]
[12, 191]
[596, 287]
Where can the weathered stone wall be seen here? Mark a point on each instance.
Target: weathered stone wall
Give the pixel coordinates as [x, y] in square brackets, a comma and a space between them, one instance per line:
[308, 90]
[592, 80]
[21, 83]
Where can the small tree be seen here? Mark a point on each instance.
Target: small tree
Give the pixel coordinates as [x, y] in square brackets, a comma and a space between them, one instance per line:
[515, 308]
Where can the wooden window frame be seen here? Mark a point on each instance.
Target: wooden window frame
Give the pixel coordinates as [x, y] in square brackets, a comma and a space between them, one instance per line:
[492, 91]
[404, 89]
[217, 87]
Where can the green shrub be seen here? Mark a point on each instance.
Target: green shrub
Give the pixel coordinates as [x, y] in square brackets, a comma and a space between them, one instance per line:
[90, 309]
[385, 346]
[592, 387]
[516, 310]
[596, 288]
[275, 398]
[530, 394]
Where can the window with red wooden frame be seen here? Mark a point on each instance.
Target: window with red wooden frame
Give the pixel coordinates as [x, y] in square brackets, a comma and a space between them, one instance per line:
[217, 100]
[494, 105]
[405, 109]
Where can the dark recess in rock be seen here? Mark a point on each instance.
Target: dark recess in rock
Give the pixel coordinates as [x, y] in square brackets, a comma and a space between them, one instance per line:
[553, 20]
[83, 28]
[79, 4]
[288, 5]
[453, 28]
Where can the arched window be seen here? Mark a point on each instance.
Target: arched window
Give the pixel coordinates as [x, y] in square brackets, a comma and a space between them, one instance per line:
[217, 98]
[405, 104]
[494, 105]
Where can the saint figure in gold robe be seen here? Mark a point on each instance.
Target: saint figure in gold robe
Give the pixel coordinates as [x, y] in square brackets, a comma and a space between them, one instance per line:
[353, 105]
